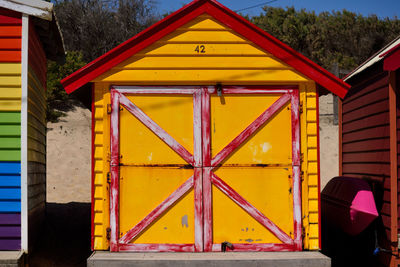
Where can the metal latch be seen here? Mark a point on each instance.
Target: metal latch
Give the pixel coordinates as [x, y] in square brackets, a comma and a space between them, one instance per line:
[219, 89]
[109, 109]
[108, 178]
[108, 233]
[226, 244]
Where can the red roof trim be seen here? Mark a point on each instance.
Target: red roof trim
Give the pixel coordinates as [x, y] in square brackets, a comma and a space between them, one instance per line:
[223, 15]
[391, 51]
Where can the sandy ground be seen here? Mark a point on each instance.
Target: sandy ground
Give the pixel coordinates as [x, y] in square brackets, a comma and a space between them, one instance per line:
[68, 158]
[329, 146]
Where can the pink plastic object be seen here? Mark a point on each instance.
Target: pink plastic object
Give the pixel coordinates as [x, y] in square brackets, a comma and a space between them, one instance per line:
[348, 203]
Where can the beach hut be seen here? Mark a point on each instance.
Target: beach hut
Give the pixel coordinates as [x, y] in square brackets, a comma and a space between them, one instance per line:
[368, 138]
[205, 138]
[28, 37]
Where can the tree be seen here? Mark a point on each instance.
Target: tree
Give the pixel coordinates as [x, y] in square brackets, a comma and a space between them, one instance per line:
[341, 37]
[91, 28]
[96, 26]
[58, 100]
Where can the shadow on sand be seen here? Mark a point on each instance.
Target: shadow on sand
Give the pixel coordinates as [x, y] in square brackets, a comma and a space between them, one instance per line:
[65, 237]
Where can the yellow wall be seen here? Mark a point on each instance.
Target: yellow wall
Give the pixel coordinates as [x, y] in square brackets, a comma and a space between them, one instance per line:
[228, 58]
[10, 87]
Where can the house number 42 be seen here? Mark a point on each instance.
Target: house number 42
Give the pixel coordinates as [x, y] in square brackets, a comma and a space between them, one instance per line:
[200, 49]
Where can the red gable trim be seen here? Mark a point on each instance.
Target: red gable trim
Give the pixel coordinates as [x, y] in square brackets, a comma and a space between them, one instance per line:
[223, 15]
[392, 59]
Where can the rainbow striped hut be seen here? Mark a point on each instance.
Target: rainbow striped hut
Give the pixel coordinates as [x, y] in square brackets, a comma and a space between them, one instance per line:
[28, 37]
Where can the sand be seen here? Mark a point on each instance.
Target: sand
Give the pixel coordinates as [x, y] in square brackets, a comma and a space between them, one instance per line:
[68, 158]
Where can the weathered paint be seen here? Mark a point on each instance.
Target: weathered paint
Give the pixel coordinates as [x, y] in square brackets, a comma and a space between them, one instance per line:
[171, 199]
[148, 66]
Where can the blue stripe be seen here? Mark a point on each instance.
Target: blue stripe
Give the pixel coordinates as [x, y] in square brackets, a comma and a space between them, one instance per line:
[10, 206]
[9, 180]
[10, 193]
[10, 168]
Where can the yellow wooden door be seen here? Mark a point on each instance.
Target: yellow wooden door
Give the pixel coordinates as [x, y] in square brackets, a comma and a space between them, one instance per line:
[250, 159]
[196, 169]
[157, 170]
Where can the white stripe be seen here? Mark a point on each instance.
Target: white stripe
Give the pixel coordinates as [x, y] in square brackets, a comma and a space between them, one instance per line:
[24, 133]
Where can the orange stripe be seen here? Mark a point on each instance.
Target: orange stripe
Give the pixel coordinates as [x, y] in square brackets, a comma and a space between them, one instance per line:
[10, 31]
[8, 43]
[10, 56]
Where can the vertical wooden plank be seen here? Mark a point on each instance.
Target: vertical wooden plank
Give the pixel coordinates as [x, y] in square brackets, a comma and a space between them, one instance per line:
[340, 117]
[92, 170]
[319, 168]
[24, 133]
[207, 190]
[393, 164]
[198, 187]
[114, 169]
[296, 169]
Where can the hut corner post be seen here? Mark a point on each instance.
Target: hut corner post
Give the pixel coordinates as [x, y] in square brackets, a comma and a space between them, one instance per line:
[24, 133]
[393, 168]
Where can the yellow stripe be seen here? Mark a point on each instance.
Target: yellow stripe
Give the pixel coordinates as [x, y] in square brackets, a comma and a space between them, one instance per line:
[201, 77]
[10, 68]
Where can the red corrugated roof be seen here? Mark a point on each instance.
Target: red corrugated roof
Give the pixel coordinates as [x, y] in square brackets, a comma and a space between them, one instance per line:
[226, 17]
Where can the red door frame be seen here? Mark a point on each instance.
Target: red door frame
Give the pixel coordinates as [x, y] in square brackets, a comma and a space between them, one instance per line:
[203, 164]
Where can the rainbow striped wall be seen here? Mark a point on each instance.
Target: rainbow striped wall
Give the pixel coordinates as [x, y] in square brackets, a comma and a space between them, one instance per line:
[10, 130]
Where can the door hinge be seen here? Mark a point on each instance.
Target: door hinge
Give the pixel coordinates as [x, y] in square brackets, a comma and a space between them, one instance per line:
[109, 109]
[108, 178]
[301, 107]
[108, 233]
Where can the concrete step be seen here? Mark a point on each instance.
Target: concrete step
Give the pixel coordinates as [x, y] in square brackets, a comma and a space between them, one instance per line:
[228, 259]
[11, 259]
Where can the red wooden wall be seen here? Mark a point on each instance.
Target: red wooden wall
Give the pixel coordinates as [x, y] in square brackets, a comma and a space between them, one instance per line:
[365, 145]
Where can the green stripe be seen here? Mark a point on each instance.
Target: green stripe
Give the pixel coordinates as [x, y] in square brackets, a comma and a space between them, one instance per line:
[10, 130]
[10, 142]
[10, 155]
[10, 117]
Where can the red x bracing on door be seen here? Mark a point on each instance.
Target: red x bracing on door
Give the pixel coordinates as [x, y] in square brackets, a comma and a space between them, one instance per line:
[204, 166]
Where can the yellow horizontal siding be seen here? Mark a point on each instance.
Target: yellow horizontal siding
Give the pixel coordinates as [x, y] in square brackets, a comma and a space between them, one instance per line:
[10, 86]
[202, 52]
[185, 62]
[209, 76]
[13, 69]
[101, 168]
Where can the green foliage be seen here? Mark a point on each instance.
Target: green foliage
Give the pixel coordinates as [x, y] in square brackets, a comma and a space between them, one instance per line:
[58, 100]
[341, 37]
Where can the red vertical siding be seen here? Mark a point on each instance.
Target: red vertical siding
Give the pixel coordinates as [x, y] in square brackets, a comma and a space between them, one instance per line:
[10, 36]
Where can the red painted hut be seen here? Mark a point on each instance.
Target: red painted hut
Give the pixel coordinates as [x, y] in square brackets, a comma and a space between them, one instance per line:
[368, 138]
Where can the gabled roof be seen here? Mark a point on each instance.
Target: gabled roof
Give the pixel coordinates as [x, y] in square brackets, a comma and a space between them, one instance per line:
[45, 22]
[377, 57]
[224, 16]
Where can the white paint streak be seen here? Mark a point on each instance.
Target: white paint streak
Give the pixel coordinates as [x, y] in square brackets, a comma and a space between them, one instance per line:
[265, 147]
